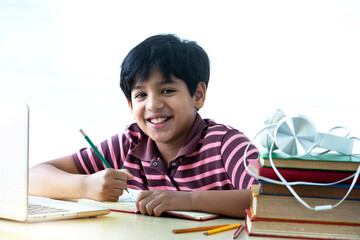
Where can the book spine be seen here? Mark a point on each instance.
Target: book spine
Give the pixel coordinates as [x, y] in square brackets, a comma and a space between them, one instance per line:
[298, 229]
[288, 208]
[319, 176]
[336, 191]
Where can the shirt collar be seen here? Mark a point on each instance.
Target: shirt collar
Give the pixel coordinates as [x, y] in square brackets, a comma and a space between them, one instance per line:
[146, 149]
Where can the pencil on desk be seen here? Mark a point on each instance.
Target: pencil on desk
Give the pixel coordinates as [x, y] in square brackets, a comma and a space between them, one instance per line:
[238, 231]
[205, 228]
[221, 229]
[97, 152]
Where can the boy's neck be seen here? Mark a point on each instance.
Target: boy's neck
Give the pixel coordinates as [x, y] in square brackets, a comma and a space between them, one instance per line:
[168, 152]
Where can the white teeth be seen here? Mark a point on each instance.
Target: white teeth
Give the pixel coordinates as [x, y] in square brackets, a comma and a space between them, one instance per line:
[158, 120]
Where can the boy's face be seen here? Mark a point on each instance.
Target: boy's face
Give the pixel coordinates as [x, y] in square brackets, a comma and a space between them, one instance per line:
[164, 110]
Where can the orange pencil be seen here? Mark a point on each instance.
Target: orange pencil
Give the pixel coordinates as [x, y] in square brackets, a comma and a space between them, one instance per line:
[185, 230]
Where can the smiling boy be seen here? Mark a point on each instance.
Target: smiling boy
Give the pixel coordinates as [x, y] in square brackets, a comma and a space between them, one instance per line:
[181, 161]
[165, 111]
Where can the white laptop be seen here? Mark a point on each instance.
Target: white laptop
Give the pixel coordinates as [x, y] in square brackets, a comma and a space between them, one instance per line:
[15, 203]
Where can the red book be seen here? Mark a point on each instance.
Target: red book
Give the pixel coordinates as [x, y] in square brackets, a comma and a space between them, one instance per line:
[292, 175]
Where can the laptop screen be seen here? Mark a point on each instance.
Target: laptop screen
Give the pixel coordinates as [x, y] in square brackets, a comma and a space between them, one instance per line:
[14, 138]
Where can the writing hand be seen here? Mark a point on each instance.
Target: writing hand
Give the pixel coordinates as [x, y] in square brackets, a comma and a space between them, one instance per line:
[107, 185]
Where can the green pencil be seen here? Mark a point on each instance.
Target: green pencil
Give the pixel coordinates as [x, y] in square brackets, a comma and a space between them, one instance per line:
[97, 151]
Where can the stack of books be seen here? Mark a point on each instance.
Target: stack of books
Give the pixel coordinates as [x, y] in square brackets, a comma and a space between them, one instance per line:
[275, 212]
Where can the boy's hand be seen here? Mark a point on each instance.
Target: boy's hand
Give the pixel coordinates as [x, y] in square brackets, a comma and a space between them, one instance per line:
[155, 202]
[106, 185]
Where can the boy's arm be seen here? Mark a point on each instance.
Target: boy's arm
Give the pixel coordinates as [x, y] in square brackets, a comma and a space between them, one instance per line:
[60, 179]
[224, 202]
[230, 203]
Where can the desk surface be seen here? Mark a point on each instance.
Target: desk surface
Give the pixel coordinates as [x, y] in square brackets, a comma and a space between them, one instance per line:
[114, 226]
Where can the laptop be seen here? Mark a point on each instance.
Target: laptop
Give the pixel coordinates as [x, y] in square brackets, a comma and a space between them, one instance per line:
[15, 202]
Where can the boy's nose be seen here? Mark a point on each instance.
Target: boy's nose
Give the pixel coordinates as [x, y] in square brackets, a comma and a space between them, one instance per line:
[154, 103]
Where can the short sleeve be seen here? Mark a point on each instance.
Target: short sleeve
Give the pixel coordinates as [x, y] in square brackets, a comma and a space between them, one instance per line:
[113, 149]
[233, 148]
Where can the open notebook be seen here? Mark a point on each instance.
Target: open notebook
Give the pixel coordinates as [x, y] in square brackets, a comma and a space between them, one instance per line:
[15, 202]
[126, 203]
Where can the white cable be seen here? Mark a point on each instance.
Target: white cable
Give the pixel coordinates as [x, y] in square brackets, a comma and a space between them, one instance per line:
[288, 184]
[279, 182]
[316, 208]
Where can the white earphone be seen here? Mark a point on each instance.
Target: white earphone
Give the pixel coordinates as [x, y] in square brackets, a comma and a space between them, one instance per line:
[297, 136]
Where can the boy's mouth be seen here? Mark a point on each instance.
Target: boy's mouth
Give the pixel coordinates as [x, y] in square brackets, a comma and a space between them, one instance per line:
[158, 120]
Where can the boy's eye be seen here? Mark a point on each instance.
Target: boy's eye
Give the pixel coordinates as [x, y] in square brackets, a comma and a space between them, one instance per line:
[166, 91]
[140, 95]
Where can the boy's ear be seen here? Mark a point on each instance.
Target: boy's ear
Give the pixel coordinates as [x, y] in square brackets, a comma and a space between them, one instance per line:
[200, 95]
[129, 104]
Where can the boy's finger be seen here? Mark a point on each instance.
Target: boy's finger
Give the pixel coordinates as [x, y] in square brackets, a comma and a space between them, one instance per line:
[129, 175]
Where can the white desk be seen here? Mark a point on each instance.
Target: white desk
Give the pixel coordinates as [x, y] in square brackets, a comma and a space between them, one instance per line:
[114, 226]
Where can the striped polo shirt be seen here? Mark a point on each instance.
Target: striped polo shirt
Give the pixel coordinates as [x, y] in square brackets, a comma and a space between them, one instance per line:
[210, 159]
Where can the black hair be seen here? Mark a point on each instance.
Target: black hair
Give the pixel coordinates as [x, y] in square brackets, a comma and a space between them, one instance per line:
[171, 56]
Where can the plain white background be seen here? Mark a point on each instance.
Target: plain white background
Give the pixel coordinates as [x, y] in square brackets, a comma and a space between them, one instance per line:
[63, 59]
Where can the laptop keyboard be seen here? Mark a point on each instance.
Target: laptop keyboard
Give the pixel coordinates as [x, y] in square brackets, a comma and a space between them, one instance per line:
[35, 209]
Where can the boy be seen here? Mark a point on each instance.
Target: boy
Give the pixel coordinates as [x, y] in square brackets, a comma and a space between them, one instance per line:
[181, 161]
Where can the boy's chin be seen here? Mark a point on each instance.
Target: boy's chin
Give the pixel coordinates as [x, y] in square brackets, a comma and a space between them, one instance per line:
[162, 140]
